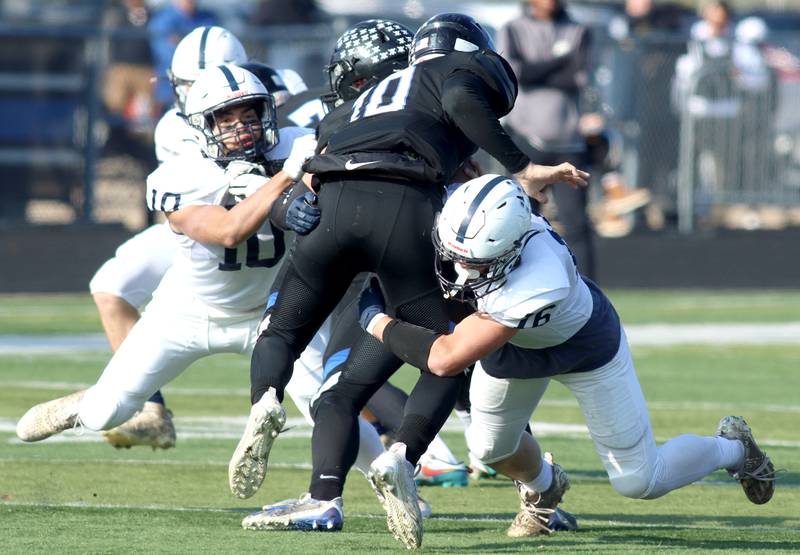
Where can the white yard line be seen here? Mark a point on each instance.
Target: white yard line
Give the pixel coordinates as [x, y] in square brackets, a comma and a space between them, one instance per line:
[753, 333]
[616, 523]
[230, 427]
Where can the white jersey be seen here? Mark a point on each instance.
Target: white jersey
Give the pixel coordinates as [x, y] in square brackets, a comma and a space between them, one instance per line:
[174, 137]
[231, 279]
[566, 323]
[544, 295]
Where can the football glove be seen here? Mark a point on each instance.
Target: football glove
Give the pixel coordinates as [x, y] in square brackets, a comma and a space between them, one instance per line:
[303, 214]
[244, 178]
[371, 305]
[303, 148]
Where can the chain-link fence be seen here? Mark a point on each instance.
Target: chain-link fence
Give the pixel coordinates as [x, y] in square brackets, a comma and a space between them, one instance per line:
[704, 148]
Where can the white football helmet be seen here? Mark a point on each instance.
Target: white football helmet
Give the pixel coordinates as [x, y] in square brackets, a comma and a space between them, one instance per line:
[203, 48]
[219, 89]
[482, 229]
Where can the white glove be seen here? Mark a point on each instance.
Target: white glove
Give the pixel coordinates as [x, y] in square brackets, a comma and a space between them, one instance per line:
[244, 178]
[303, 148]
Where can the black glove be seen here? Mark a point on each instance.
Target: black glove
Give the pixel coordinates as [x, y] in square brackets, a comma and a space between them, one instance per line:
[370, 303]
[303, 214]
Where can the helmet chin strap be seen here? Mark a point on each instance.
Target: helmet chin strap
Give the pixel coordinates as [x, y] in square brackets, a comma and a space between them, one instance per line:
[464, 275]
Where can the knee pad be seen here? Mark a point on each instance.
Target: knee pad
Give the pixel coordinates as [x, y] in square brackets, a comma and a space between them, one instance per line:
[489, 448]
[635, 485]
[102, 409]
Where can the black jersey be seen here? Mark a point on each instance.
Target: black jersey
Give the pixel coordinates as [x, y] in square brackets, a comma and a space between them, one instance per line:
[431, 117]
[333, 122]
[302, 110]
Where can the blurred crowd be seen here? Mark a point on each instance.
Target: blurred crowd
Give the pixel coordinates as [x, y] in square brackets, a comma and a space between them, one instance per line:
[620, 82]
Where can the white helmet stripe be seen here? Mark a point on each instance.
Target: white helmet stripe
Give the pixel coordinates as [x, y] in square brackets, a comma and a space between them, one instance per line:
[473, 207]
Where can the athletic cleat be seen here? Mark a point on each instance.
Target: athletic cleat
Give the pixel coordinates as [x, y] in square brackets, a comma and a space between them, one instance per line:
[537, 509]
[248, 466]
[757, 474]
[480, 471]
[562, 521]
[436, 472]
[45, 419]
[391, 476]
[305, 514]
[150, 426]
[425, 508]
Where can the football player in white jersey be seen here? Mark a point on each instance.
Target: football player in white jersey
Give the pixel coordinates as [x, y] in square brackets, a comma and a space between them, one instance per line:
[212, 298]
[213, 295]
[538, 319]
[125, 282]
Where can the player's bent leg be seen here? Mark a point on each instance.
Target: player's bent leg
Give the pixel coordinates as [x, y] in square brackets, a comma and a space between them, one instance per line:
[305, 514]
[46, 419]
[117, 316]
[392, 479]
[248, 466]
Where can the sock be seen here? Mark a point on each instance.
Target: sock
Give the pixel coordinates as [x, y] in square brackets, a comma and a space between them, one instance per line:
[465, 417]
[543, 481]
[731, 453]
[157, 398]
[438, 449]
[369, 446]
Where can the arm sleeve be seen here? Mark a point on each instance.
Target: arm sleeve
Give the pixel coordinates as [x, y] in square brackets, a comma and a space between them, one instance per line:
[280, 208]
[466, 100]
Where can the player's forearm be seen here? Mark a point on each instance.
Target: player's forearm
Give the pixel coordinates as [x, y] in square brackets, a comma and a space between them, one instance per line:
[244, 219]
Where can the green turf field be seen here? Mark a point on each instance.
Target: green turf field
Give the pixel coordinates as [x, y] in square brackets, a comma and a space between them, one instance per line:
[78, 495]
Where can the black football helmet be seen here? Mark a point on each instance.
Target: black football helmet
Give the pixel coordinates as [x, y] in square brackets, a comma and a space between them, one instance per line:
[448, 32]
[271, 80]
[365, 54]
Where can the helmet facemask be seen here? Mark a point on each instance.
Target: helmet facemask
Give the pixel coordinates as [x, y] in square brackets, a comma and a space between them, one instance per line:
[475, 277]
[246, 140]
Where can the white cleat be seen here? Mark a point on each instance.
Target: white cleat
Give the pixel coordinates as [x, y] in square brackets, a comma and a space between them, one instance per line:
[248, 465]
[150, 426]
[45, 419]
[392, 478]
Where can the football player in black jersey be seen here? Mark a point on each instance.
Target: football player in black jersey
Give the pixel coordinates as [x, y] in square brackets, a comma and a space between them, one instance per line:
[382, 179]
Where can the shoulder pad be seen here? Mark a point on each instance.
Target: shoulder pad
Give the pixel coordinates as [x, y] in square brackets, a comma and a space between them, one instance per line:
[174, 137]
[498, 74]
[539, 280]
[184, 181]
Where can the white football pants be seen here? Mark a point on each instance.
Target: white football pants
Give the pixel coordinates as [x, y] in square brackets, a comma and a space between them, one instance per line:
[616, 415]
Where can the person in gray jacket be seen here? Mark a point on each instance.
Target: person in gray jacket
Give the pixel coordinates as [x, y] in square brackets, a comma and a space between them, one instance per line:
[549, 54]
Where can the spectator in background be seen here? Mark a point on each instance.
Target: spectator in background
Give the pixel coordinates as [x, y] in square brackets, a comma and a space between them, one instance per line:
[128, 83]
[167, 27]
[649, 37]
[548, 52]
[714, 33]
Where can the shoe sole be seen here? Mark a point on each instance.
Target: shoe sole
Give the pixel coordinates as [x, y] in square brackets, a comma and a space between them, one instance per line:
[758, 492]
[37, 424]
[120, 439]
[404, 524]
[287, 524]
[248, 466]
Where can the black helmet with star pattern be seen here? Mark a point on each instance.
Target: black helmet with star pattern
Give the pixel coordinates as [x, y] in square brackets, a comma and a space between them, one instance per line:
[366, 53]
